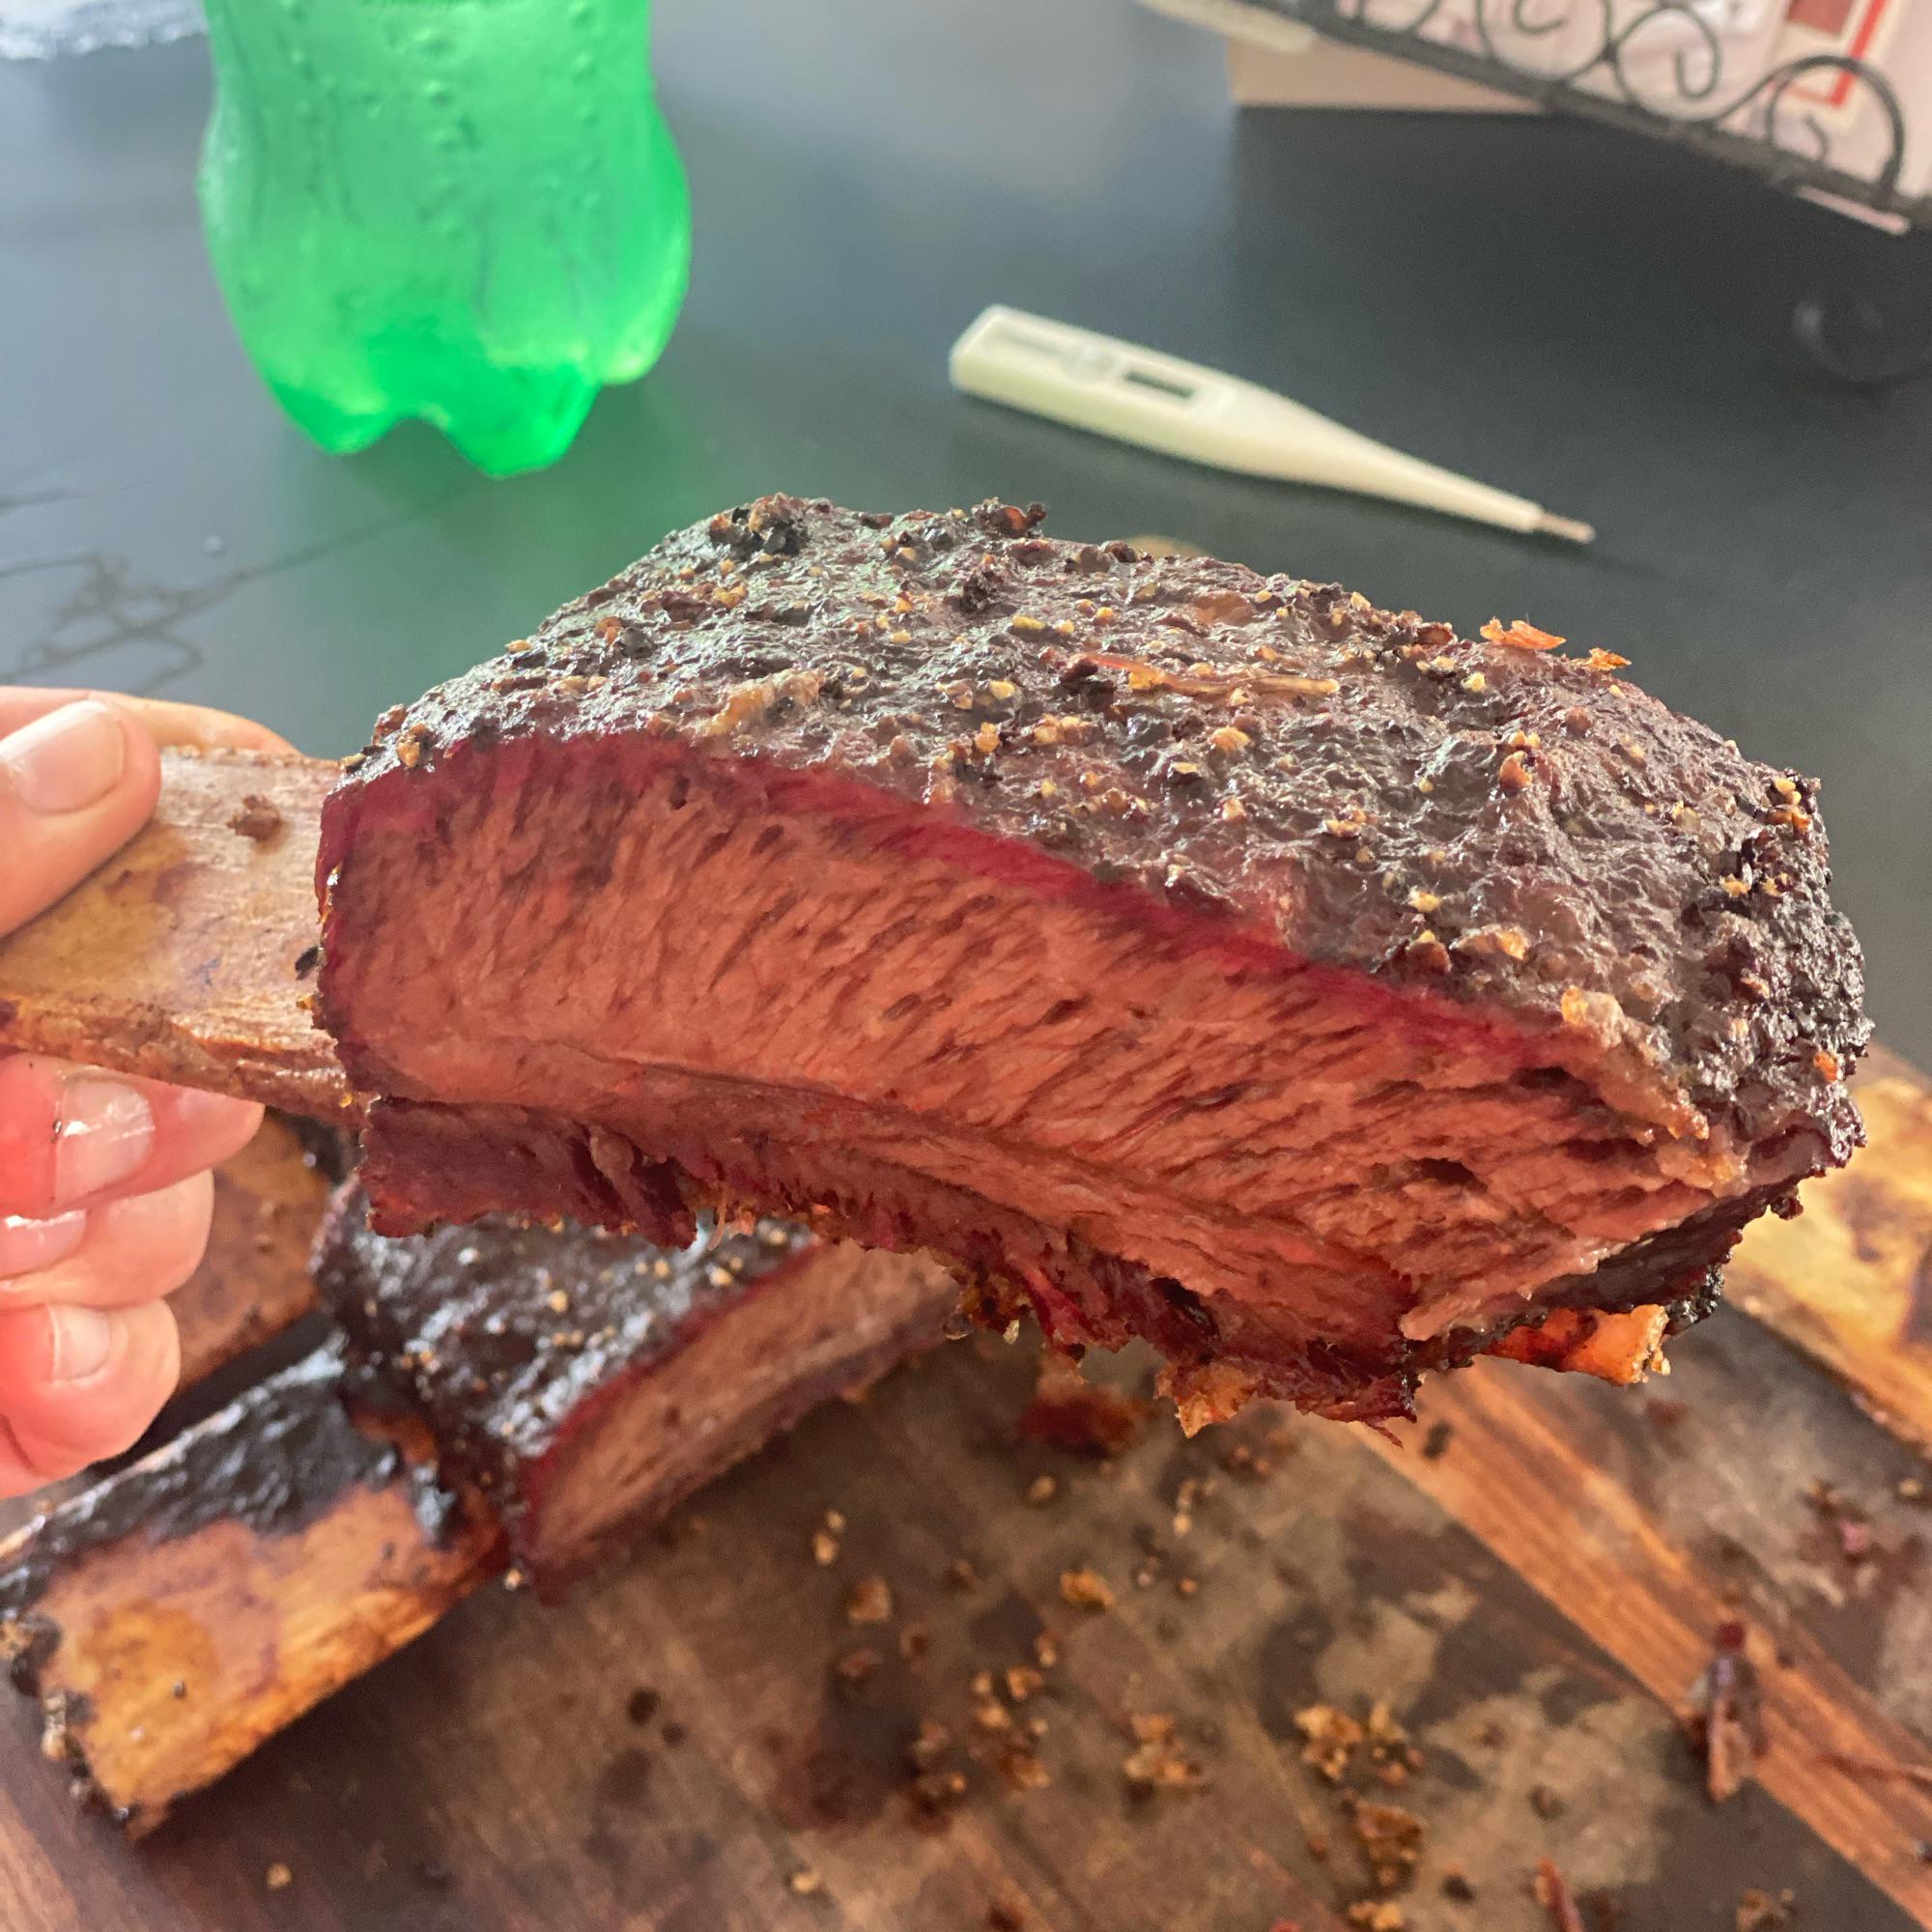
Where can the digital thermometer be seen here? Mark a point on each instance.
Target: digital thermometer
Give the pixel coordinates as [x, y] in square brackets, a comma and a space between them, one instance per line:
[1159, 402]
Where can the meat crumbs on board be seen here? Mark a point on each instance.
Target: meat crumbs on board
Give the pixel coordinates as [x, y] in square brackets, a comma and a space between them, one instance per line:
[1759, 1912]
[1011, 1724]
[1726, 1722]
[870, 1601]
[1332, 1738]
[1088, 1418]
[1086, 1589]
[1158, 1762]
[1552, 1893]
[1391, 1839]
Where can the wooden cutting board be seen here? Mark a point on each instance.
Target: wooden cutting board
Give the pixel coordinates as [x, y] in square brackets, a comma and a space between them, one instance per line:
[1530, 1581]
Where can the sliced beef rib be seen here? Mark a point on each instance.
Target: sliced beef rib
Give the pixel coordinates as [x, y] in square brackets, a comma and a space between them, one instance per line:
[1203, 955]
[586, 1380]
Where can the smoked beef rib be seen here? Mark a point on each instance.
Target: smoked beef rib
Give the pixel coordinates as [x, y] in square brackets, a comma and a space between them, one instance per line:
[1197, 955]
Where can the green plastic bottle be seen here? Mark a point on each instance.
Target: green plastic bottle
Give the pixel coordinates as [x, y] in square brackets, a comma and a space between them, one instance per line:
[467, 211]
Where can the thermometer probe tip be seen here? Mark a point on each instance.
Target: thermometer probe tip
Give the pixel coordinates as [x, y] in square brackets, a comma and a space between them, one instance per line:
[1565, 528]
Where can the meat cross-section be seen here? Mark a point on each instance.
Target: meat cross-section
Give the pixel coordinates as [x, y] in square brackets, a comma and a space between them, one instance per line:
[1195, 955]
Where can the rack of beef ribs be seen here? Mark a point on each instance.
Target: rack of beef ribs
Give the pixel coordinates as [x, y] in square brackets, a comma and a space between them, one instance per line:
[1193, 954]
[506, 1397]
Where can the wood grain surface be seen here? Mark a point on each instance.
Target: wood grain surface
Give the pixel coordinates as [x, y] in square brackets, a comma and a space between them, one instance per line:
[1531, 1580]
[1850, 1281]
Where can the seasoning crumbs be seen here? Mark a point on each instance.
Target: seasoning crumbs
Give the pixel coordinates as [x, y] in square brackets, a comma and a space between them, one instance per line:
[1086, 1589]
[870, 1601]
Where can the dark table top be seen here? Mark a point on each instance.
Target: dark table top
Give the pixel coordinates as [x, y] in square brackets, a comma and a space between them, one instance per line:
[1584, 317]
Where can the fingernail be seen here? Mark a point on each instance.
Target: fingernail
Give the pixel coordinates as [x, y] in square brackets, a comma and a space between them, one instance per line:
[68, 760]
[192, 1113]
[26, 1246]
[103, 1137]
[83, 1338]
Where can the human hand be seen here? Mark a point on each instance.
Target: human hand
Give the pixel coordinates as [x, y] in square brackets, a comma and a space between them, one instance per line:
[105, 1189]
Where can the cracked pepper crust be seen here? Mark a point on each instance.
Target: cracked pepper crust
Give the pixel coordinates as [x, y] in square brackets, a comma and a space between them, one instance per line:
[1481, 822]
[499, 1335]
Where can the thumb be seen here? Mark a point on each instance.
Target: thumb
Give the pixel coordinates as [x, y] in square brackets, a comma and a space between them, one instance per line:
[75, 786]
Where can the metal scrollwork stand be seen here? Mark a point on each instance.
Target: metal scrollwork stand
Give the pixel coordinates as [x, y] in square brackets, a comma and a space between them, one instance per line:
[1856, 338]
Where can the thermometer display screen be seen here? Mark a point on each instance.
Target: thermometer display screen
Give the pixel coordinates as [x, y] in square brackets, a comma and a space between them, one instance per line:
[1147, 378]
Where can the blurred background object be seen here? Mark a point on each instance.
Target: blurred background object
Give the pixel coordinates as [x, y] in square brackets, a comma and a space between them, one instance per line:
[1818, 95]
[41, 29]
[471, 213]
[1093, 381]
